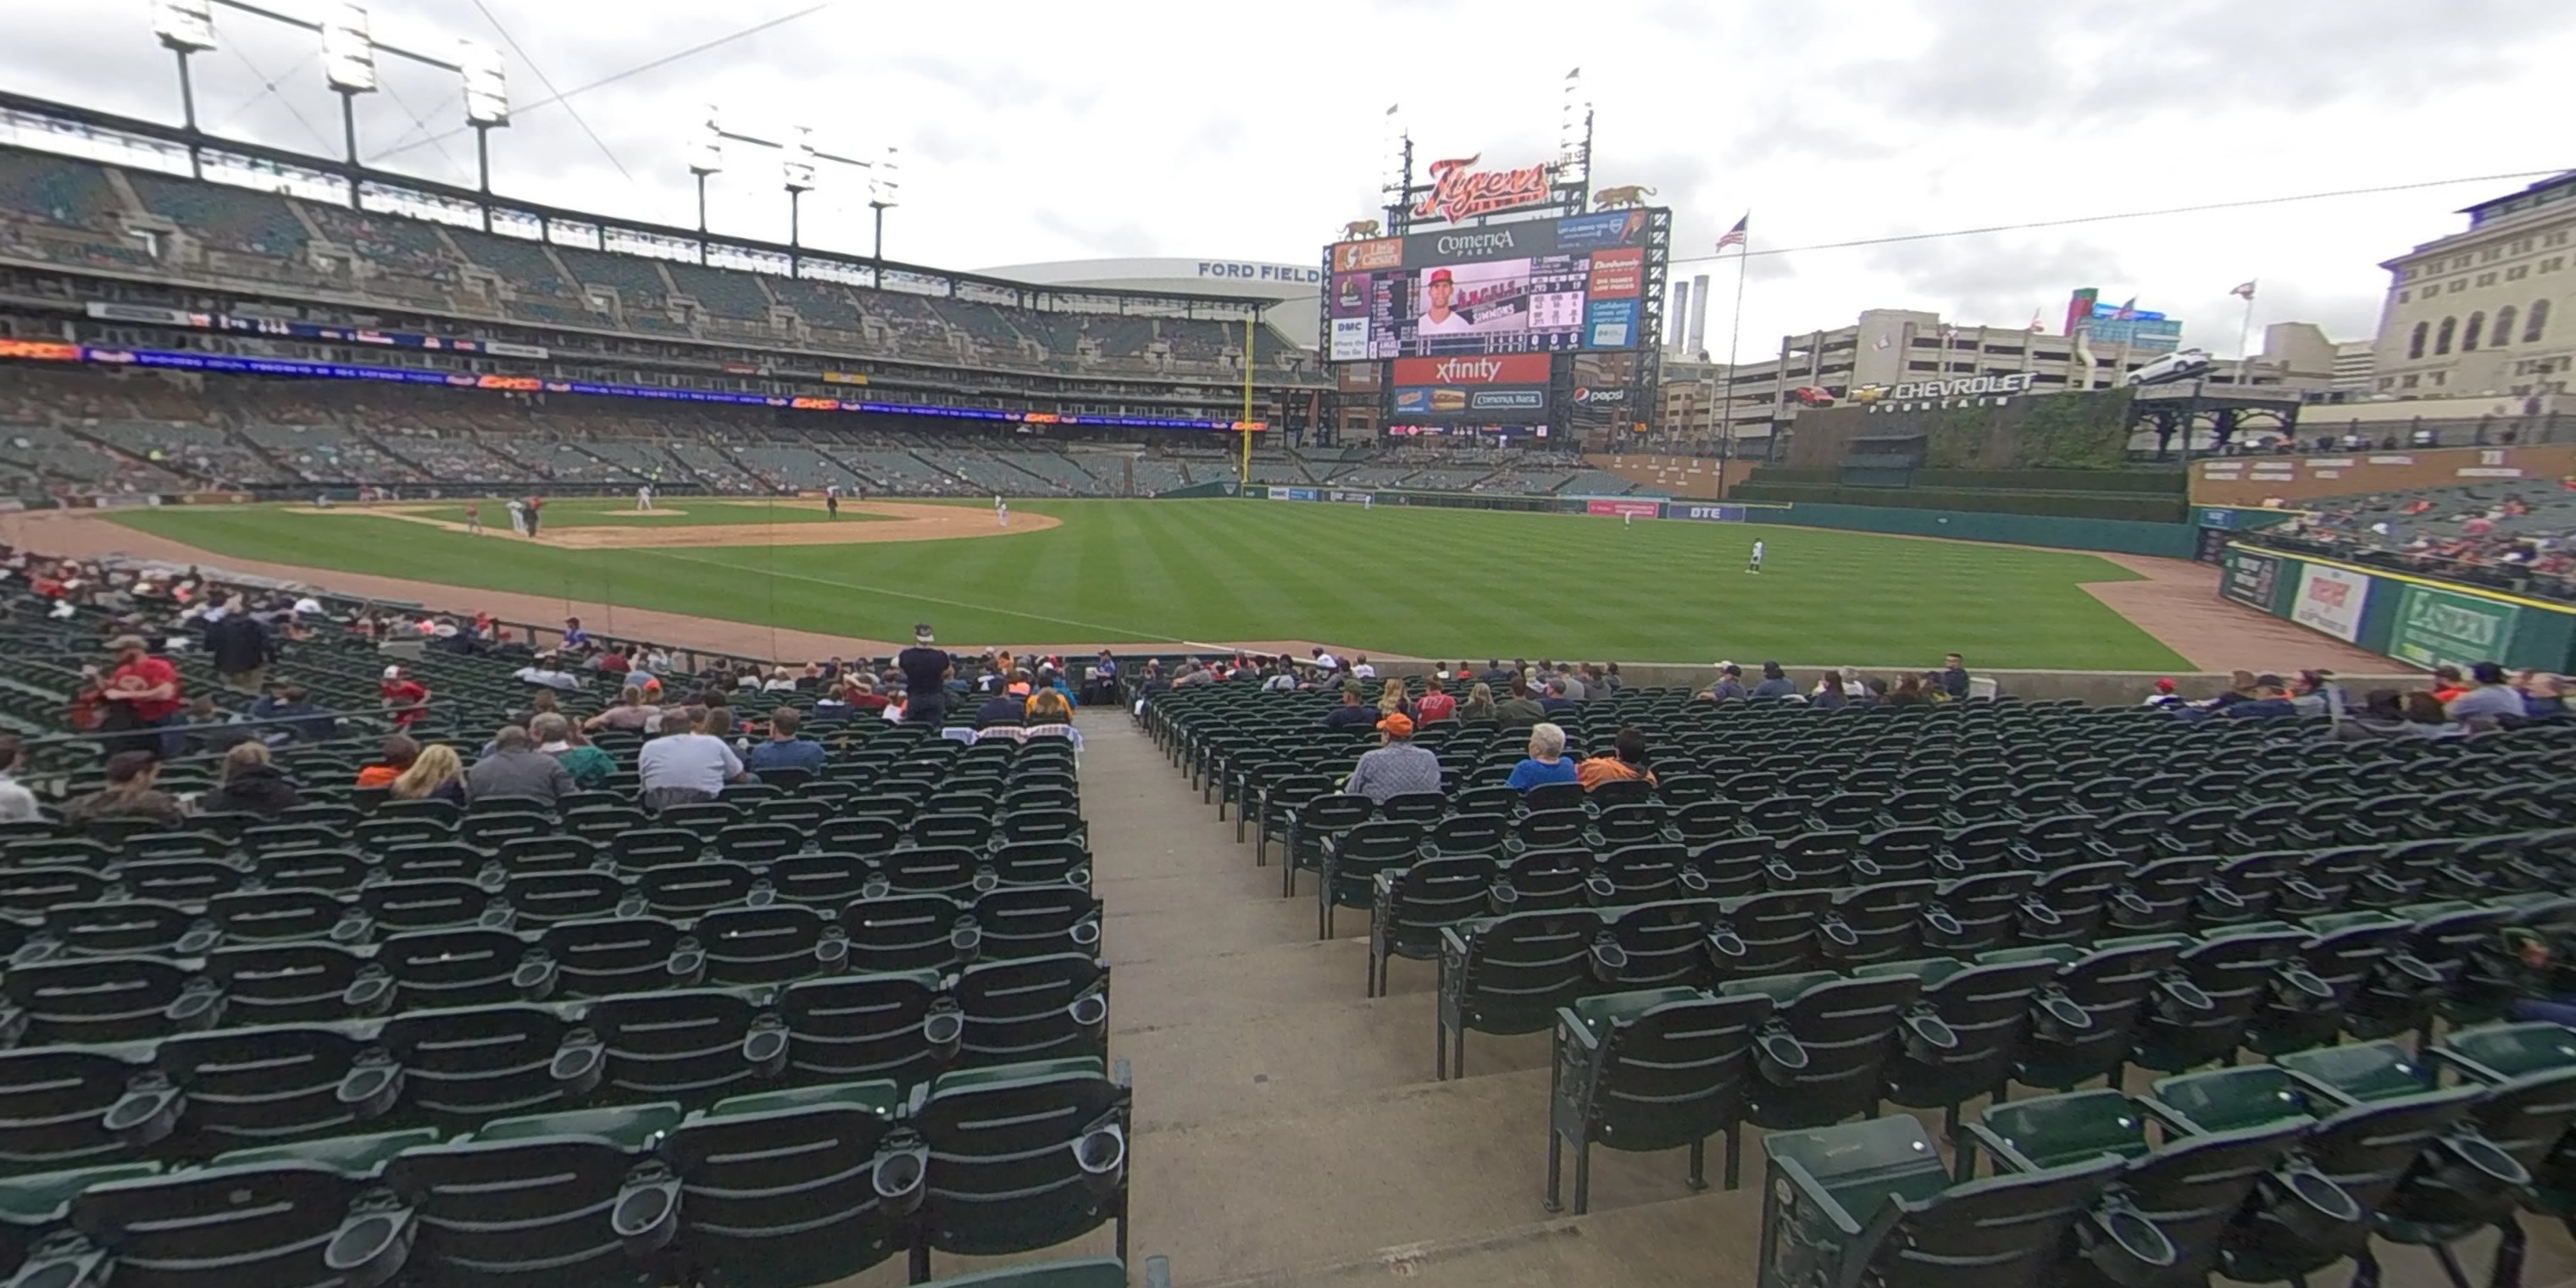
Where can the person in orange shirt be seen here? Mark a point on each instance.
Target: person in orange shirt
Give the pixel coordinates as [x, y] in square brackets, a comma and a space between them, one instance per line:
[1627, 760]
[400, 752]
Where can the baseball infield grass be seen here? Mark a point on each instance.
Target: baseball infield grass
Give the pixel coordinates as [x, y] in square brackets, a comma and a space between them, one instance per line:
[1428, 583]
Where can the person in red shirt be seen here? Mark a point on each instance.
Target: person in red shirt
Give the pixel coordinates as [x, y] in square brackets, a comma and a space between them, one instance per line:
[1436, 704]
[143, 692]
[404, 697]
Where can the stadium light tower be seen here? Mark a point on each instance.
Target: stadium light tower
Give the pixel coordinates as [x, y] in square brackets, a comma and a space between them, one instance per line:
[885, 184]
[487, 107]
[1574, 131]
[798, 169]
[186, 27]
[706, 157]
[349, 64]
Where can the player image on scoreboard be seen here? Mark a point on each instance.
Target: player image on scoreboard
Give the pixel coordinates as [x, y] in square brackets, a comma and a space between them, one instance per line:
[1501, 306]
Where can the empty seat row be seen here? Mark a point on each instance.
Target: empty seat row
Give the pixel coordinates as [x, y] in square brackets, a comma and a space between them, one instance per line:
[788, 1188]
[197, 1094]
[126, 989]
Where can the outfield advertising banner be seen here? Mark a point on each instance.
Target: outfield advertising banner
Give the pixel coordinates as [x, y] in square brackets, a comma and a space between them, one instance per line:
[1292, 494]
[2439, 627]
[2251, 578]
[1623, 509]
[1706, 513]
[2330, 600]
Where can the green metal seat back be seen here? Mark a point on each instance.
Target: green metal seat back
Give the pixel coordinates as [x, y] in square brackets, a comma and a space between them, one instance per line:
[1022, 1157]
[762, 1177]
[1669, 1067]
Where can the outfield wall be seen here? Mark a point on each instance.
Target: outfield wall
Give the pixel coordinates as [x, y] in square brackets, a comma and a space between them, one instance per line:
[2416, 620]
[2118, 536]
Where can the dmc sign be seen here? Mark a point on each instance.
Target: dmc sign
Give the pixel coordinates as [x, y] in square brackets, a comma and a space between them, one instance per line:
[1238, 271]
[1458, 191]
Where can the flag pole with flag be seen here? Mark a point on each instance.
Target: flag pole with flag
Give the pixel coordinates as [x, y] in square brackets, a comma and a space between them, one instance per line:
[2245, 333]
[1739, 237]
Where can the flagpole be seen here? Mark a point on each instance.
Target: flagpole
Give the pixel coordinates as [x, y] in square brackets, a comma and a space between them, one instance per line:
[1734, 331]
[2244, 337]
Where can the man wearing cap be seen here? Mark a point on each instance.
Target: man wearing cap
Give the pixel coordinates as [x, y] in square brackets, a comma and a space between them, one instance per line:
[1397, 767]
[1440, 318]
[925, 679]
[2164, 696]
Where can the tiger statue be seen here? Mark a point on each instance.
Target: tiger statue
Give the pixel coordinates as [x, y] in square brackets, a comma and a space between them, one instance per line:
[1359, 228]
[1628, 194]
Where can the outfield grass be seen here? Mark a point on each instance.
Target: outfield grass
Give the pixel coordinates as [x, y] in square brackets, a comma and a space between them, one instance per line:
[1423, 582]
[587, 513]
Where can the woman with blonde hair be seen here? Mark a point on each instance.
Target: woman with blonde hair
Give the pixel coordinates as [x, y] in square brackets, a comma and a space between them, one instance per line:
[438, 775]
[1392, 700]
[1479, 706]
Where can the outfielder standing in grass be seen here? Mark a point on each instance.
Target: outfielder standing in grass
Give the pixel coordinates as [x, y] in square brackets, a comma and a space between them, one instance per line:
[474, 517]
[1756, 565]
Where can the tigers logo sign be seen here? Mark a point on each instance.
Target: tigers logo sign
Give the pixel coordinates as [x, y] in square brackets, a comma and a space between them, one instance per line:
[1459, 191]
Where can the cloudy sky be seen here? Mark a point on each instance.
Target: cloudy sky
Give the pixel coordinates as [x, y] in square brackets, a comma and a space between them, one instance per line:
[1037, 131]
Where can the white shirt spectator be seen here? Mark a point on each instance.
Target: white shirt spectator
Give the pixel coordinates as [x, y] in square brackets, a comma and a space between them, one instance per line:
[17, 804]
[697, 761]
[1365, 670]
[547, 676]
[1328, 662]
[308, 607]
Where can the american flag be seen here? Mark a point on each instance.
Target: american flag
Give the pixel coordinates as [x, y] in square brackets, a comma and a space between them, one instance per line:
[1735, 236]
[2244, 289]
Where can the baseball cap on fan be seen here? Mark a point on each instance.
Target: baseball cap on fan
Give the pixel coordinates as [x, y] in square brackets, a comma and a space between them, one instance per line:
[921, 633]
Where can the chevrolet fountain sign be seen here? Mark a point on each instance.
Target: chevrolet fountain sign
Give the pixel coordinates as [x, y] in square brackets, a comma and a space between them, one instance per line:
[1961, 391]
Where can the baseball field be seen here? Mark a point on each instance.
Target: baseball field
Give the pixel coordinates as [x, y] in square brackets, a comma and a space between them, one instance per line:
[1402, 582]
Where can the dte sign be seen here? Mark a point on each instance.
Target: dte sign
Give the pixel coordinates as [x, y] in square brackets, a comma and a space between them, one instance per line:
[1237, 270]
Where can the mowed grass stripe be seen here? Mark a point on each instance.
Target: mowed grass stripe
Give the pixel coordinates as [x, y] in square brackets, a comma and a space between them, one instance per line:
[1398, 580]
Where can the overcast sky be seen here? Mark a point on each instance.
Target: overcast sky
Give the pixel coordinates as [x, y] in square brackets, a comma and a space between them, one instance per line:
[1050, 131]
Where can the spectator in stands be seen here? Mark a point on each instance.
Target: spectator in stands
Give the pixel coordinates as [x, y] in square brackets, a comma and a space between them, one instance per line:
[130, 793]
[1350, 715]
[2271, 701]
[1325, 662]
[1398, 766]
[515, 768]
[239, 646]
[2544, 697]
[1828, 694]
[684, 768]
[1729, 685]
[1392, 698]
[17, 804]
[210, 730]
[1518, 710]
[2314, 692]
[574, 637]
[1908, 692]
[143, 692]
[2492, 697]
[1572, 678]
[438, 773]
[1363, 669]
[1610, 677]
[251, 785]
[1626, 760]
[925, 679]
[2382, 715]
[630, 712]
[1494, 674]
[560, 738]
[785, 750]
[303, 721]
[2426, 718]
[1001, 709]
[1557, 699]
[1775, 683]
[1478, 709]
[860, 692]
[2164, 696]
[1051, 679]
[1954, 677]
[1436, 704]
[2448, 683]
[398, 755]
[1193, 671]
[1279, 677]
[610, 661]
[1049, 710]
[546, 670]
[1100, 683]
[1546, 762]
[2240, 688]
[406, 699]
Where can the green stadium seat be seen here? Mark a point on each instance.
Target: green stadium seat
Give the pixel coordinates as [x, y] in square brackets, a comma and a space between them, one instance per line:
[1647, 1071]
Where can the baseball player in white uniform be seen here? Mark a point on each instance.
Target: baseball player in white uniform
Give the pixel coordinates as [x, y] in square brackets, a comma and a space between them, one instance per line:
[1002, 511]
[1755, 566]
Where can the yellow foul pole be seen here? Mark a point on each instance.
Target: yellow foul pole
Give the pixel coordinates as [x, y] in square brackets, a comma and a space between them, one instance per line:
[1246, 470]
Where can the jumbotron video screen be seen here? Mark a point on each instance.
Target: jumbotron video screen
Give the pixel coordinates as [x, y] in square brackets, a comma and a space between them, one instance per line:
[1541, 286]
